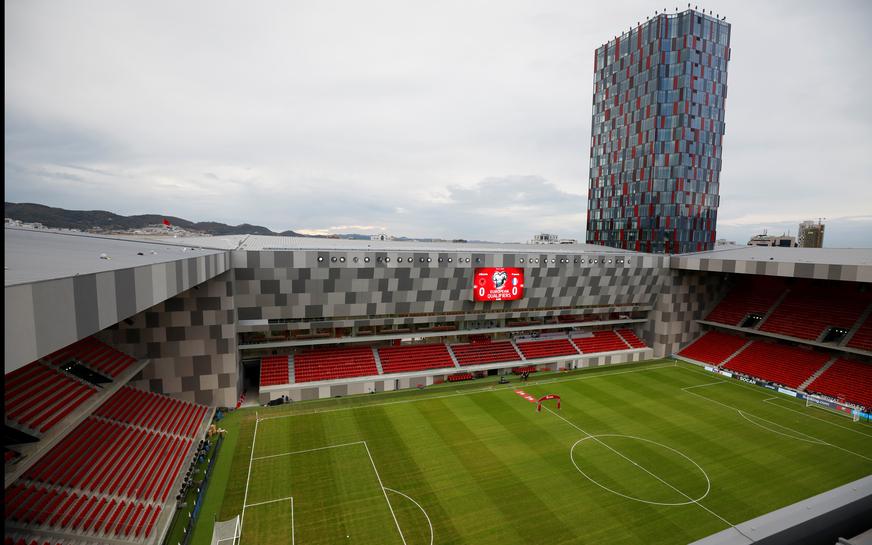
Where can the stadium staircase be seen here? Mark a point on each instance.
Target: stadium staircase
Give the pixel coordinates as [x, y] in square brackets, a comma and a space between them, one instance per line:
[414, 358]
[786, 365]
[291, 368]
[772, 309]
[600, 341]
[808, 311]
[378, 362]
[714, 348]
[751, 296]
[847, 379]
[629, 337]
[483, 353]
[547, 348]
[453, 357]
[860, 336]
[817, 373]
[110, 479]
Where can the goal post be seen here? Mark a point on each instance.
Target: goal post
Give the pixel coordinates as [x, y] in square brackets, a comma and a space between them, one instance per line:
[833, 406]
[226, 532]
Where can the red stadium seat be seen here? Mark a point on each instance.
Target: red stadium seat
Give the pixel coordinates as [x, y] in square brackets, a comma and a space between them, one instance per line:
[786, 365]
[480, 352]
[334, 363]
[601, 341]
[713, 347]
[547, 348]
[421, 357]
[848, 379]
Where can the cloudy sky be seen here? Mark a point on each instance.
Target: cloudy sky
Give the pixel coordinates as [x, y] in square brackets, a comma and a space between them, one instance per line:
[446, 119]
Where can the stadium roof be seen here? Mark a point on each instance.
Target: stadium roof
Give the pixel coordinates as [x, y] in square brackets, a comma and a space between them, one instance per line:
[34, 255]
[265, 242]
[819, 256]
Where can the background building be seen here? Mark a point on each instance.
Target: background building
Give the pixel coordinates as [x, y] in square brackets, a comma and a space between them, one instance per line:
[656, 135]
[779, 241]
[811, 234]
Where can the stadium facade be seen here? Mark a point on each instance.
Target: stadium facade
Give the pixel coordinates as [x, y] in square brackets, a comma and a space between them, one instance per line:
[657, 134]
[155, 335]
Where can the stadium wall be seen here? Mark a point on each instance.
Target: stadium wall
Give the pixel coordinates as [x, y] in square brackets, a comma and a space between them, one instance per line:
[683, 298]
[191, 340]
[47, 315]
[294, 285]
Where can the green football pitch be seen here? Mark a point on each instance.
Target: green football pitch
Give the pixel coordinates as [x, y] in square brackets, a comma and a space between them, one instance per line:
[661, 452]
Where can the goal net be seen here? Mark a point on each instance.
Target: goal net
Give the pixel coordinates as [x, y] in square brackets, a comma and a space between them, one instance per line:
[834, 406]
[226, 533]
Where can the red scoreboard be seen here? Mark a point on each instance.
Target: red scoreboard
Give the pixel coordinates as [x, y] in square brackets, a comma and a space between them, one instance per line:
[498, 284]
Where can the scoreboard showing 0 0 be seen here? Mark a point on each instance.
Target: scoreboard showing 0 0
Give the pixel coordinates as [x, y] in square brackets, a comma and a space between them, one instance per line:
[498, 284]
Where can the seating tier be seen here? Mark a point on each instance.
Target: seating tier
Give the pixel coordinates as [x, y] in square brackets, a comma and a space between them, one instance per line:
[421, 357]
[862, 338]
[97, 355]
[630, 338]
[37, 396]
[714, 347]
[152, 411]
[459, 377]
[754, 295]
[809, 310]
[274, 370]
[334, 363]
[111, 475]
[547, 348]
[787, 365]
[481, 353]
[848, 379]
[601, 341]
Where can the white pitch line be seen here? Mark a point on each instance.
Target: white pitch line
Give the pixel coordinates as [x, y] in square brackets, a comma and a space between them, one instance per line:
[308, 450]
[432, 533]
[377, 476]
[248, 479]
[739, 411]
[584, 376]
[704, 385]
[645, 470]
[807, 439]
[293, 538]
[768, 400]
[269, 501]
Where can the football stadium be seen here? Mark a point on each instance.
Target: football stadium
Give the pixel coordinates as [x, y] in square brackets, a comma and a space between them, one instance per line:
[282, 390]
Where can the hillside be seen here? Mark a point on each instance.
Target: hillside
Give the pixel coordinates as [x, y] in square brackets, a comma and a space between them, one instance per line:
[60, 218]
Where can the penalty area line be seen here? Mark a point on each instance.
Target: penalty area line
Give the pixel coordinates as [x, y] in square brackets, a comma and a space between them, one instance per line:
[271, 501]
[248, 478]
[309, 450]
[815, 440]
[384, 491]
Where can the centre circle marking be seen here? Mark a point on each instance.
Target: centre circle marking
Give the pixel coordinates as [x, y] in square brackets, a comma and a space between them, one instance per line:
[604, 487]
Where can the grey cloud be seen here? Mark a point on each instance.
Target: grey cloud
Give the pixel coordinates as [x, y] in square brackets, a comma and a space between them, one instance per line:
[302, 115]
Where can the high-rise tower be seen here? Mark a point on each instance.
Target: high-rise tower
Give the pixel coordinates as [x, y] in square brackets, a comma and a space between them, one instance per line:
[656, 134]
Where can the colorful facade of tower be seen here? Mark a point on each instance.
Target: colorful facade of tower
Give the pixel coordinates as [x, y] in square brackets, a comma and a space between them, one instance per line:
[657, 134]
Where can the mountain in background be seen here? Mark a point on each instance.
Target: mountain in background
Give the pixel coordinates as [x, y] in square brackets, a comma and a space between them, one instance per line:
[89, 220]
[84, 220]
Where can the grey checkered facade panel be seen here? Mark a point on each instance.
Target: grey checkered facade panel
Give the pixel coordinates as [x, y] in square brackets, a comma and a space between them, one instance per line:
[44, 316]
[295, 285]
[817, 271]
[191, 342]
[684, 296]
